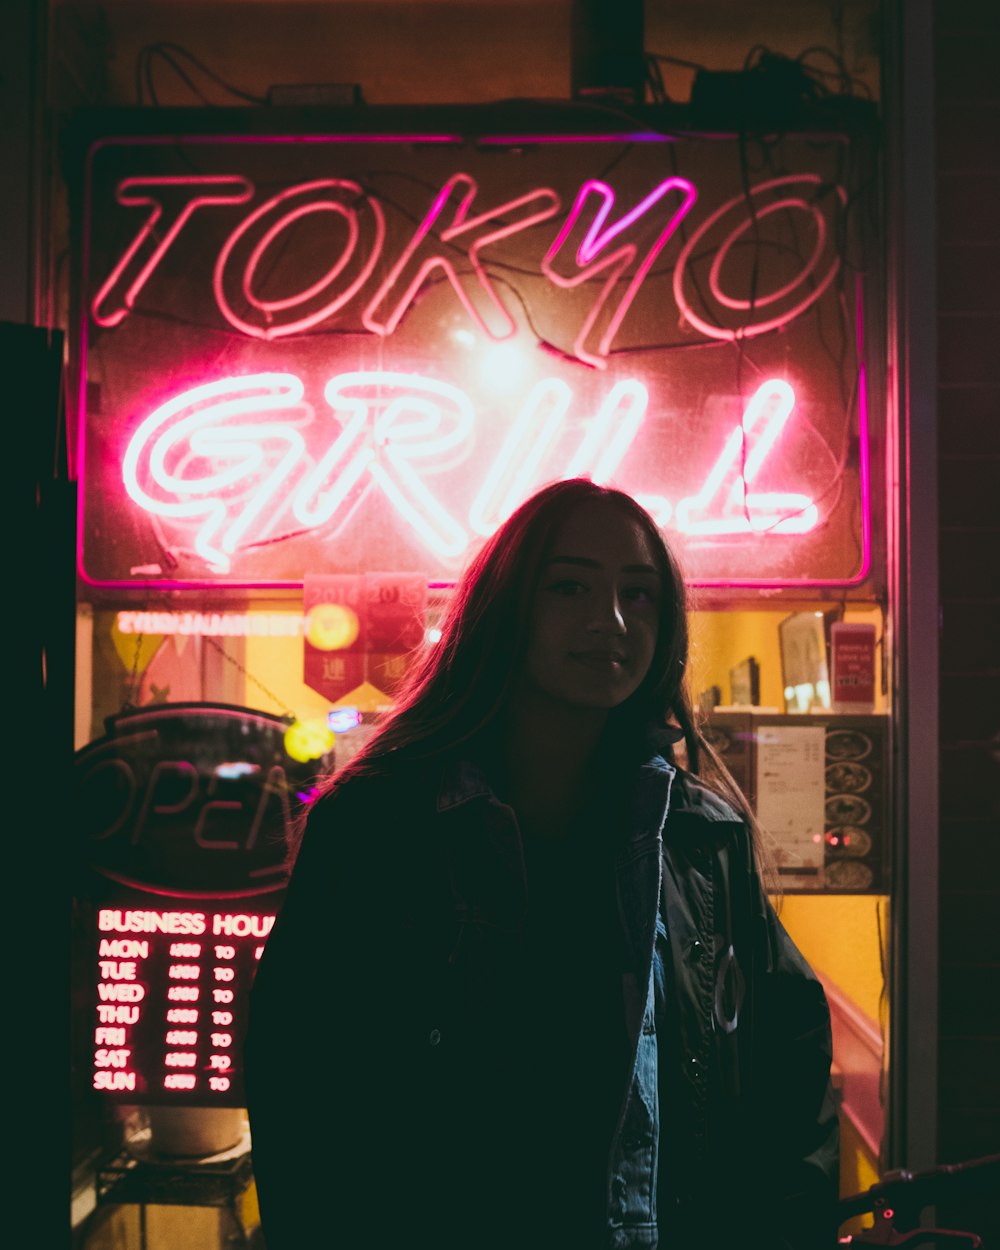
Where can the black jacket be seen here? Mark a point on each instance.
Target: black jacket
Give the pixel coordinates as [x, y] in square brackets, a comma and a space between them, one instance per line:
[400, 1096]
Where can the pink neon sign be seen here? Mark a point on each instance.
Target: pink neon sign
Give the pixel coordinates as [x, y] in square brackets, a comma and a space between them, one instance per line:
[170, 997]
[387, 426]
[330, 289]
[325, 397]
[809, 276]
[172, 201]
[616, 264]
[457, 196]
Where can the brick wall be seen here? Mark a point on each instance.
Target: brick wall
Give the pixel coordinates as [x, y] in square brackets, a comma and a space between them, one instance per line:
[967, 107]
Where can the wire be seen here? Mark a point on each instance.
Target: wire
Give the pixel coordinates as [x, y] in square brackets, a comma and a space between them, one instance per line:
[675, 60]
[654, 80]
[169, 52]
[845, 80]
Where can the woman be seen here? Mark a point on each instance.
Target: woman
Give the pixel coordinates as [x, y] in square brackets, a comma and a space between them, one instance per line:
[526, 989]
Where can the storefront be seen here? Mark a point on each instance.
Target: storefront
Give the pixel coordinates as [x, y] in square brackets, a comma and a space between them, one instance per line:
[312, 368]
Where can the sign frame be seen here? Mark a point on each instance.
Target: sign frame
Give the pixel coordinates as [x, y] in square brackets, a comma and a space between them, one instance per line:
[500, 128]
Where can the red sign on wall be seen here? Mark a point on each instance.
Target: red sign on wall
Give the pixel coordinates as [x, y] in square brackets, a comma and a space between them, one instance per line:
[363, 351]
[852, 666]
[360, 628]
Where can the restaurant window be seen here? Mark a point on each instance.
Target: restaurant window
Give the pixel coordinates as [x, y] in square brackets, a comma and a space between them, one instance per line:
[315, 370]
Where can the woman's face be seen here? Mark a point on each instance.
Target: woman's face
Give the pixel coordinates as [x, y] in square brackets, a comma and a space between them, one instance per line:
[595, 614]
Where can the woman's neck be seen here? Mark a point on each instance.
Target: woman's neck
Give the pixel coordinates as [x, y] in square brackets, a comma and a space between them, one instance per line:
[549, 753]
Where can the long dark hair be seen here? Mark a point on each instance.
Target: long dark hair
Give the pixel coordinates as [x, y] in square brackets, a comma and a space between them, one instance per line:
[457, 686]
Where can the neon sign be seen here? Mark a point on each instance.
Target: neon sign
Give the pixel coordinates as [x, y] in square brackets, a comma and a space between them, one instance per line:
[183, 815]
[195, 800]
[384, 425]
[214, 624]
[323, 298]
[119, 292]
[615, 263]
[169, 1008]
[319, 396]
[747, 214]
[527, 210]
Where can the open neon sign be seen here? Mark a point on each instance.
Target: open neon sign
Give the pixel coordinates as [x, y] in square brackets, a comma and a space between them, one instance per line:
[293, 437]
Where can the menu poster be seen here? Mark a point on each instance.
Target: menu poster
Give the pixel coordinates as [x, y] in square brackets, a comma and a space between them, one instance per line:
[790, 794]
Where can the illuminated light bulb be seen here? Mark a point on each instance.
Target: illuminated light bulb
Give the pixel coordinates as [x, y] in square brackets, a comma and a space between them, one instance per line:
[432, 636]
[307, 740]
[502, 366]
[341, 719]
[332, 626]
[233, 770]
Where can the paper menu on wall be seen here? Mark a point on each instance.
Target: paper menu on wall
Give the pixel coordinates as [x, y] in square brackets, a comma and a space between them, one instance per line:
[790, 797]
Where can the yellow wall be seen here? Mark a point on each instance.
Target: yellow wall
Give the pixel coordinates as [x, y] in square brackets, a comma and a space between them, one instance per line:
[276, 663]
[839, 936]
[837, 933]
[720, 640]
[858, 1172]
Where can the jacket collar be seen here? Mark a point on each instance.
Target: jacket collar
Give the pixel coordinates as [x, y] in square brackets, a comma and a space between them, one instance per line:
[461, 780]
[487, 869]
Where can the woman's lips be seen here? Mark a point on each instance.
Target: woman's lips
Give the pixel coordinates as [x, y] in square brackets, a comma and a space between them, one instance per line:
[603, 661]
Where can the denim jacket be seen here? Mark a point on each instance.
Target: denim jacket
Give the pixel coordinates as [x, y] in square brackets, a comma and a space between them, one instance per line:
[372, 1031]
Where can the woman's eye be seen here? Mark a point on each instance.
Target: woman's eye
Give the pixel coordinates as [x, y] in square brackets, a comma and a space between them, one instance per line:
[640, 594]
[567, 586]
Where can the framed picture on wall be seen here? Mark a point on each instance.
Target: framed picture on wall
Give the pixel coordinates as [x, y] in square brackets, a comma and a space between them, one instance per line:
[804, 639]
[744, 683]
